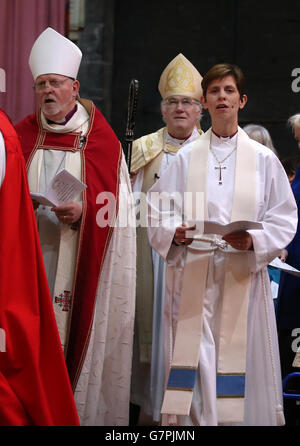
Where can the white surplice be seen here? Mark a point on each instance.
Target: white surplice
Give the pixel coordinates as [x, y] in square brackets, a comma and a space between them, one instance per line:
[276, 208]
[148, 381]
[103, 390]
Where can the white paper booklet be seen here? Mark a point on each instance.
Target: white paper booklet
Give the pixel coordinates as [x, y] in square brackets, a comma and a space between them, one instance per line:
[213, 227]
[63, 188]
[277, 263]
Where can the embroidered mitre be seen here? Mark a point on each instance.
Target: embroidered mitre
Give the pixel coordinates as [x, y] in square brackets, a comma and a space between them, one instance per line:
[180, 77]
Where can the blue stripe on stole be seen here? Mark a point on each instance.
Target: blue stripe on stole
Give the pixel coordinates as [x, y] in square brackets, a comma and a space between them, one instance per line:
[182, 378]
[230, 385]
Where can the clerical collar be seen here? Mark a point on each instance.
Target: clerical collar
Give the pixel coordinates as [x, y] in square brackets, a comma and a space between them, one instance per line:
[224, 137]
[173, 141]
[178, 142]
[66, 119]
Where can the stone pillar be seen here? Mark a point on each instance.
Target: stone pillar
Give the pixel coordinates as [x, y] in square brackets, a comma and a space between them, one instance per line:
[96, 42]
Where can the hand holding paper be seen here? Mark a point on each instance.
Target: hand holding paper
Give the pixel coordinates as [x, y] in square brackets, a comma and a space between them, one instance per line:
[214, 227]
[63, 189]
[69, 213]
[277, 263]
[234, 233]
[181, 237]
[240, 240]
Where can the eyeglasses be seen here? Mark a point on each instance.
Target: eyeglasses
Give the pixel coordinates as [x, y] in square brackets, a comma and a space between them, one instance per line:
[40, 86]
[172, 104]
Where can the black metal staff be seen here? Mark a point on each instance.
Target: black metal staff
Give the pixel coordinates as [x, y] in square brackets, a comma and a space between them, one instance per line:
[132, 105]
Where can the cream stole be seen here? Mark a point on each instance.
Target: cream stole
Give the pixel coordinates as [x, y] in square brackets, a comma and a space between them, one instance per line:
[144, 276]
[231, 361]
[63, 288]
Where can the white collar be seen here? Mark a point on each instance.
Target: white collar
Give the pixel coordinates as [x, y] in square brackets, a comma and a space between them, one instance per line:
[178, 142]
[220, 141]
[79, 118]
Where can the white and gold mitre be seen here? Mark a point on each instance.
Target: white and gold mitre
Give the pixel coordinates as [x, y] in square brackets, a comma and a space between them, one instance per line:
[180, 77]
[54, 53]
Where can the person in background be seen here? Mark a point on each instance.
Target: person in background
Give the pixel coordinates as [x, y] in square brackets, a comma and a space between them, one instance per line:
[180, 89]
[89, 244]
[290, 165]
[288, 308]
[261, 135]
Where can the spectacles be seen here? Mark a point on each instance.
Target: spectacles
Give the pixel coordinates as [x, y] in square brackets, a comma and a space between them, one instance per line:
[184, 103]
[39, 86]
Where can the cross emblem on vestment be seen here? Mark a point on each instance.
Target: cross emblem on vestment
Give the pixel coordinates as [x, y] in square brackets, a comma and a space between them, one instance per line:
[64, 300]
[220, 172]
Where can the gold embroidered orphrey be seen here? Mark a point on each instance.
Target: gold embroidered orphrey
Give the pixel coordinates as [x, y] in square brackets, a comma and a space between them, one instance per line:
[149, 142]
[180, 78]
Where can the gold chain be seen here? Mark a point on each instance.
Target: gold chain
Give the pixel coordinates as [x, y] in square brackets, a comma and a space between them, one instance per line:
[220, 168]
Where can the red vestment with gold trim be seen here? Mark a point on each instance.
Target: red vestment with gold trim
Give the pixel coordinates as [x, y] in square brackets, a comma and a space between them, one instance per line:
[100, 160]
[34, 382]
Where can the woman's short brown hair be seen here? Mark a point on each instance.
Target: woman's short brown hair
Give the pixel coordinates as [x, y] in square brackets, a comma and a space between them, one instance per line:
[222, 70]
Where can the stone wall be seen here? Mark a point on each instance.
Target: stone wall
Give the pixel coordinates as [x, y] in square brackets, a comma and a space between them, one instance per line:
[136, 39]
[97, 42]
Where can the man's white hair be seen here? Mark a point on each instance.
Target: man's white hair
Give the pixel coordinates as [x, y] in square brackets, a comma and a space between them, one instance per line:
[294, 121]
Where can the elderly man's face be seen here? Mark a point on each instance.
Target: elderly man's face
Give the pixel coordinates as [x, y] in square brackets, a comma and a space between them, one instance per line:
[180, 115]
[56, 95]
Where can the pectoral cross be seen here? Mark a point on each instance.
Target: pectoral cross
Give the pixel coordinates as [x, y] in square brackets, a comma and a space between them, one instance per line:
[220, 172]
[64, 300]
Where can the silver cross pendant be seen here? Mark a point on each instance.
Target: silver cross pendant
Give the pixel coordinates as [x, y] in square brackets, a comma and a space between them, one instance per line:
[220, 172]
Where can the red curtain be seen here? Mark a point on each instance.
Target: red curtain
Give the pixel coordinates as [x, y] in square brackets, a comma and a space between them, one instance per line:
[21, 22]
